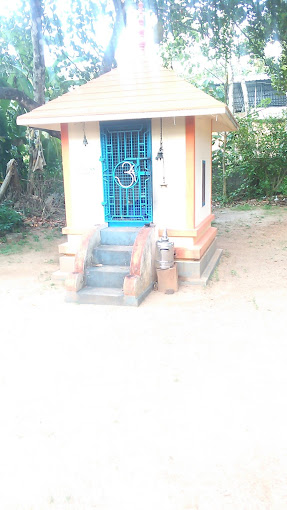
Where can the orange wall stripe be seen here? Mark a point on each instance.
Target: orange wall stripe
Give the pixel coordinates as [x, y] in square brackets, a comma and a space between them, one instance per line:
[190, 171]
[210, 164]
[195, 232]
[66, 172]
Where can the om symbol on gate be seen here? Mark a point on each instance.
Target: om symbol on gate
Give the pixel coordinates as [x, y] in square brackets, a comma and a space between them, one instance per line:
[130, 172]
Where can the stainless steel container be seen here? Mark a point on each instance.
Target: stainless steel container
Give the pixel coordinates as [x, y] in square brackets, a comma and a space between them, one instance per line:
[164, 252]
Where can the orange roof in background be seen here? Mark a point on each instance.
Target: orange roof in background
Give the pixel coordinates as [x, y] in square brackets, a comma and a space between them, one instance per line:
[142, 91]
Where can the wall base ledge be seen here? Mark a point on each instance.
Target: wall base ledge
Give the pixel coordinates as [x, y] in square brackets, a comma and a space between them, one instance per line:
[199, 271]
[207, 274]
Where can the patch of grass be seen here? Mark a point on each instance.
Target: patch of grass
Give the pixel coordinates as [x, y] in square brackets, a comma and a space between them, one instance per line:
[233, 272]
[45, 276]
[12, 248]
[215, 275]
[272, 209]
[54, 233]
[28, 241]
[243, 207]
[34, 242]
[36, 248]
[255, 304]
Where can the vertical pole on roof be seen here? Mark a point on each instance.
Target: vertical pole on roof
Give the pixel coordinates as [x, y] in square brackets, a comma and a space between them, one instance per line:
[141, 24]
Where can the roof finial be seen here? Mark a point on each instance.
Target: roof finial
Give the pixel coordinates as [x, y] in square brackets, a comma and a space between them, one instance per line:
[141, 23]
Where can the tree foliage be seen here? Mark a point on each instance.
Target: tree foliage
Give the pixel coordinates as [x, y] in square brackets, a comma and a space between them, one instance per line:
[267, 23]
[256, 23]
[255, 159]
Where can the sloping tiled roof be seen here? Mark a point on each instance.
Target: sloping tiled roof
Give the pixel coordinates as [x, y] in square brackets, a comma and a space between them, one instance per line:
[141, 92]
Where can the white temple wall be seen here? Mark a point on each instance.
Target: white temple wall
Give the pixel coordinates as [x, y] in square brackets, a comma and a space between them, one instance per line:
[85, 175]
[169, 203]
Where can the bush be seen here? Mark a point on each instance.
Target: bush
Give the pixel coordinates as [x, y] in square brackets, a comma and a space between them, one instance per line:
[10, 220]
[255, 159]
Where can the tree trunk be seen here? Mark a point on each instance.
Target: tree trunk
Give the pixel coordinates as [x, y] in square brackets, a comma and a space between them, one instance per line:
[38, 51]
[120, 23]
[36, 10]
[224, 180]
[231, 89]
[10, 172]
[227, 91]
[245, 95]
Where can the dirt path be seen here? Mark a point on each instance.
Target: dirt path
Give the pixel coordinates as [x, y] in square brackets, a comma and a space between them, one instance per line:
[179, 404]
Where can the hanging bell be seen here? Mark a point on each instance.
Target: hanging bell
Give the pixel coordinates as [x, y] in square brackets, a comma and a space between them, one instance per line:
[159, 155]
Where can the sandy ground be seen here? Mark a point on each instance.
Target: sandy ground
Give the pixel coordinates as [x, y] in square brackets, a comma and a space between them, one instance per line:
[177, 405]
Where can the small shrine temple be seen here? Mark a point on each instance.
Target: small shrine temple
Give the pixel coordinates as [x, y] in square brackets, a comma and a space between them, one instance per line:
[136, 146]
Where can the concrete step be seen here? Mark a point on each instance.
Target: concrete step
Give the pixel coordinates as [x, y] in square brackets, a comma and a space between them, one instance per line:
[112, 255]
[69, 248]
[97, 296]
[59, 276]
[123, 236]
[67, 263]
[207, 273]
[210, 268]
[106, 276]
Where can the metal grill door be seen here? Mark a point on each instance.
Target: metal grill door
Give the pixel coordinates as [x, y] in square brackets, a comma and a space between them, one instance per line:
[127, 172]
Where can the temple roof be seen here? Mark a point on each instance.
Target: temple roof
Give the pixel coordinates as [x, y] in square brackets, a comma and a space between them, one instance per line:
[141, 91]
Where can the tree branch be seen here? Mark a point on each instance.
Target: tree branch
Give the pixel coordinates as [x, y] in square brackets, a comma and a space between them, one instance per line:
[23, 100]
[18, 96]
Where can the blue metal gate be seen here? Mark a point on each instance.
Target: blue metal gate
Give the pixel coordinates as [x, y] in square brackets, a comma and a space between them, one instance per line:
[127, 172]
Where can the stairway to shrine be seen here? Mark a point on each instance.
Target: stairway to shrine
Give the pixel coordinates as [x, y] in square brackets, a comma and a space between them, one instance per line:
[111, 259]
